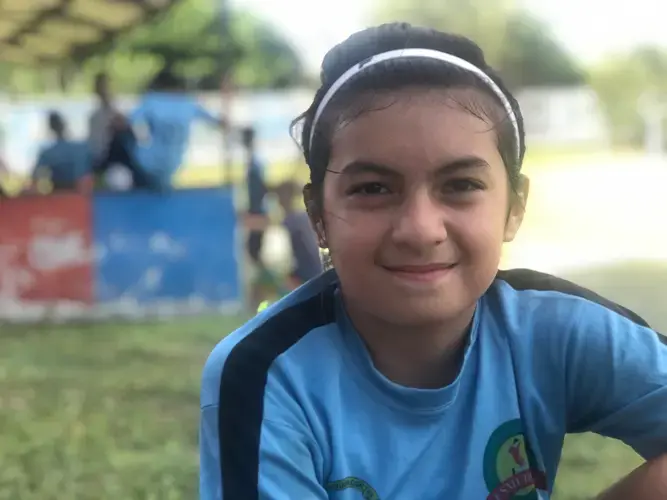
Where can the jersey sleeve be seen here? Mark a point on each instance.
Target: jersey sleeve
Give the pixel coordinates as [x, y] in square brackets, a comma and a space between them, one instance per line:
[285, 469]
[616, 378]
[250, 449]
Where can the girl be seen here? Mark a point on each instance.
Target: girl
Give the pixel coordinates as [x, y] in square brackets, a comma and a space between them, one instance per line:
[414, 368]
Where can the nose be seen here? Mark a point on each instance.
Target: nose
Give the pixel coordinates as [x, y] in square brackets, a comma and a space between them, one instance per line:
[419, 222]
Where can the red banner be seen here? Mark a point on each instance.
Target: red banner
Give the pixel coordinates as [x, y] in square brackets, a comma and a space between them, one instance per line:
[46, 249]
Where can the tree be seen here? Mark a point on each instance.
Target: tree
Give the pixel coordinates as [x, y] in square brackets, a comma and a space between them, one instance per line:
[189, 40]
[531, 57]
[621, 82]
[484, 21]
[518, 45]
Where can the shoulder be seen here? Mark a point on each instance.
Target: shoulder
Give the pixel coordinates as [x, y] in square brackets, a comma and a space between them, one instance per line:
[540, 296]
[583, 362]
[147, 101]
[47, 150]
[241, 362]
[258, 162]
[81, 148]
[552, 320]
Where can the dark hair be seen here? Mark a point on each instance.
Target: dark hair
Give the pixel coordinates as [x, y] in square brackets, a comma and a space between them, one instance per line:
[395, 74]
[56, 122]
[166, 80]
[248, 136]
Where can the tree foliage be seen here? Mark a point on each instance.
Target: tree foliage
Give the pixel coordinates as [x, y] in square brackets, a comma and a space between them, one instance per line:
[188, 39]
[531, 57]
[518, 45]
[627, 85]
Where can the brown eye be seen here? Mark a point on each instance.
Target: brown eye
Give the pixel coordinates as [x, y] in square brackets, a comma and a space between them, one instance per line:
[369, 189]
[463, 186]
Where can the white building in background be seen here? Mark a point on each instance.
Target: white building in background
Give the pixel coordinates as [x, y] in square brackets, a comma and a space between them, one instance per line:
[563, 116]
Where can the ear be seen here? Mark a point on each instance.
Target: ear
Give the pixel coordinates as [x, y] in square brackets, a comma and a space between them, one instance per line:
[314, 214]
[517, 210]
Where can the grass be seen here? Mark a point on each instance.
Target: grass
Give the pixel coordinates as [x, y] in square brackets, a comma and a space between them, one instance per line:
[102, 412]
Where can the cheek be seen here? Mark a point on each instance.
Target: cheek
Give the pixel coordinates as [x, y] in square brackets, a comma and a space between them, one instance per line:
[481, 230]
[353, 236]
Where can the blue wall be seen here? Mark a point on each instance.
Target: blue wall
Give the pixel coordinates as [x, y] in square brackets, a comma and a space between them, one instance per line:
[159, 248]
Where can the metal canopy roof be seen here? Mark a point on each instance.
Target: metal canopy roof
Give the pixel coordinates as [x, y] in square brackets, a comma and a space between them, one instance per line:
[36, 31]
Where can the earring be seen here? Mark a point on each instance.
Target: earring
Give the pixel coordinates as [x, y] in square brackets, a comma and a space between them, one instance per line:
[321, 235]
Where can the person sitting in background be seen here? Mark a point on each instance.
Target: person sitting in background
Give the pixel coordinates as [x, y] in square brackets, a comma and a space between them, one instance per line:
[303, 240]
[65, 163]
[167, 113]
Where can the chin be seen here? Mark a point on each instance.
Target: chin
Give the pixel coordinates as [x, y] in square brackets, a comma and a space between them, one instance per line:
[423, 312]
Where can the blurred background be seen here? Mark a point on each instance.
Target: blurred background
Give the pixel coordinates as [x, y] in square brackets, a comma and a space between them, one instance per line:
[111, 297]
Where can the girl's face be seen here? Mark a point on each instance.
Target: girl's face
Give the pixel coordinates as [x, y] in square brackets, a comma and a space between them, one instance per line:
[416, 208]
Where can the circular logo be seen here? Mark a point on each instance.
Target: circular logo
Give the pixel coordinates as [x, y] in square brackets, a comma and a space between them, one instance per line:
[509, 465]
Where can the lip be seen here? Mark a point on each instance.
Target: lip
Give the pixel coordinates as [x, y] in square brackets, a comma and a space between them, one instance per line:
[421, 273]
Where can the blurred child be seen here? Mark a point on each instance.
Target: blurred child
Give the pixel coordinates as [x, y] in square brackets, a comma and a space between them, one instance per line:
[256, 219]
[100, 122]
[66, 163]
[167, 112]
[304, 246]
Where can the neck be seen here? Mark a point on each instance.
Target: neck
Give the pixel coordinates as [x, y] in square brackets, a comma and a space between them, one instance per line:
[424, 357]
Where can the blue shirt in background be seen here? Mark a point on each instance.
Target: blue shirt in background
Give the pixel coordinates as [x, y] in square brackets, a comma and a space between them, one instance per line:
[65, 162]
[168, 117]
[292, 406]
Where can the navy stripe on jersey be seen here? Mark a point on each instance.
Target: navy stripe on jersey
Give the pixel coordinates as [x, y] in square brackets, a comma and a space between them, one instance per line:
[242, 386]
[527, 279]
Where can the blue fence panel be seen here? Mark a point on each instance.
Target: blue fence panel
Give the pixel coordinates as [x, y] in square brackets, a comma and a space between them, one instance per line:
[176, 247]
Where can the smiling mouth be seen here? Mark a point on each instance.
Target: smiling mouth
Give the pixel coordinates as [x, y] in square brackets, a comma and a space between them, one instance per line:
[430, 272]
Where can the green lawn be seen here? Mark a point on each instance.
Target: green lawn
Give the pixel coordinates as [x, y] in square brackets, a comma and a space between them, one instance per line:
[107, 412]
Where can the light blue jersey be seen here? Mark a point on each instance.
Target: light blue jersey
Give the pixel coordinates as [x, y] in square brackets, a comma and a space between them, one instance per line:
[292, 407]
[168, 117]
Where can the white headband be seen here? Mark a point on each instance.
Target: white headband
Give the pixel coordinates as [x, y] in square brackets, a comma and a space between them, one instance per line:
[428, 54]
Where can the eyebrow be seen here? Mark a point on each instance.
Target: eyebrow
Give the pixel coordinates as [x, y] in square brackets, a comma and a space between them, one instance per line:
[368, 167]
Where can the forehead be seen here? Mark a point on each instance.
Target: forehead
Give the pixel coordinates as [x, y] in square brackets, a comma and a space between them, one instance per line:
[418, 128]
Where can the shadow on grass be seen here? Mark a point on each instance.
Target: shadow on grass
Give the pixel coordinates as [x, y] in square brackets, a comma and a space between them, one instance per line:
[638, 285]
